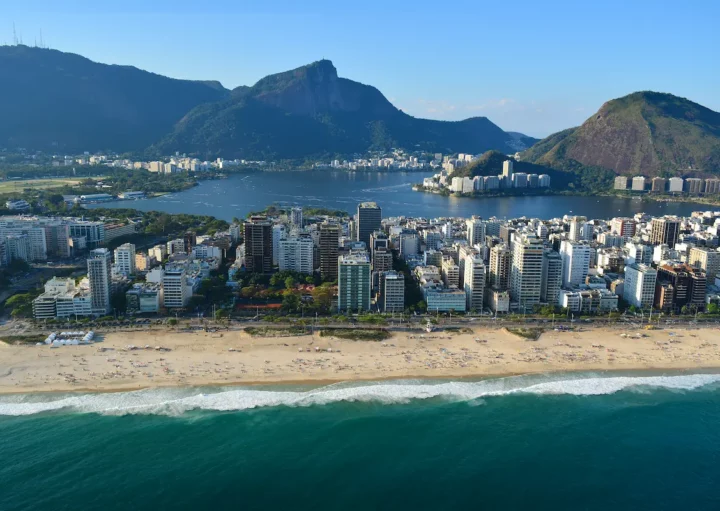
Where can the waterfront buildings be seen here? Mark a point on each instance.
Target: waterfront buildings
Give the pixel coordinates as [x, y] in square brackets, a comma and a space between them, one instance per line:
[639, 288]
[99, 275]
[369, 219]
[354, 282]
[329, 242]
[576, 262]
[258, 245]
[392, 292]
[500, 267]
[474, 282]
[526, 272]
[176, 293]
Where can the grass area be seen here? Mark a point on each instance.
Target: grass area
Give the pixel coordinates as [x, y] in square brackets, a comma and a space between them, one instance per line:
[356, 334]
[529, 333]
[269, 331]
[18, 185]
[457, 330]
[23, 339]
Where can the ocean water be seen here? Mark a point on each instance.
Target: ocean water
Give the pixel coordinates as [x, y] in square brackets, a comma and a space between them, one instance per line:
[571, 441]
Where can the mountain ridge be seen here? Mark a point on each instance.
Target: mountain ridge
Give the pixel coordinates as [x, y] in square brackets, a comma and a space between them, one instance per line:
[343, 117]
[56, 100]
[53, 100]
[646, 132]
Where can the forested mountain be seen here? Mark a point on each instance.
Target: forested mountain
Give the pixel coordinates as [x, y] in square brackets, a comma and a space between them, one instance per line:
[311, 111]
[52, 100]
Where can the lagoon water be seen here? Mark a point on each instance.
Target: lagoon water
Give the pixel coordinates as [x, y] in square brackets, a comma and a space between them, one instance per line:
[562, 442]
[240, 194]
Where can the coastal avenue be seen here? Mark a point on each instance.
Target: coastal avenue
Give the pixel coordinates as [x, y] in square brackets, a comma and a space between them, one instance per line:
[240, 194]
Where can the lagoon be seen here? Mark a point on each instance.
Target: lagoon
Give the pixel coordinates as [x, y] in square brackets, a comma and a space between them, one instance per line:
[240, 194]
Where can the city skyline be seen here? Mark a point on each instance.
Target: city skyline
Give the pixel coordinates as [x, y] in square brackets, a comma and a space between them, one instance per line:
[481, 71]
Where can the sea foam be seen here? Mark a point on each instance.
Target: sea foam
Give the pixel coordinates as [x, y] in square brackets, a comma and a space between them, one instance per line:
[176, 401]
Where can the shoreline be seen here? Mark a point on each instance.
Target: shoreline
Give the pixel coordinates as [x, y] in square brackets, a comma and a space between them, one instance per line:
[628, 372]
[234, 358]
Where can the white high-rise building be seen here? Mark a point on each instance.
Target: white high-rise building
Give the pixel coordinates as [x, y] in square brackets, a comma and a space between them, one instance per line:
[36, 238]
[542, 231]
[409, 244]
[577, 228]
[278, 233]
[296, 217]
[16, 246]
[175, 290]
[575, 262]
[392, 292]
[639, 287]
[474, 282]
[676, 184]
[176, 246]
[526, 272]
[507, 171]
[500, 267]
[296, 254]
[475, 231]
[450, 272]
[706, 259]
[99, 267]
[639, 253]
[125, 259]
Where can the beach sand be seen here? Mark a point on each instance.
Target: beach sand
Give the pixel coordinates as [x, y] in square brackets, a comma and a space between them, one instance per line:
[235, 357]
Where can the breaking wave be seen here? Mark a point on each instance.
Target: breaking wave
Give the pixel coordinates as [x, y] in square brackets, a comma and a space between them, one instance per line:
[176, 401]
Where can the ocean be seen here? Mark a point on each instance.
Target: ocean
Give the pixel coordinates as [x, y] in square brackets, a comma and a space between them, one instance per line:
[568, 441]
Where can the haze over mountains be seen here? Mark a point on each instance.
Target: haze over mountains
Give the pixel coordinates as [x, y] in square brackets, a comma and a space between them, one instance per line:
[50, 99]
[61, 102]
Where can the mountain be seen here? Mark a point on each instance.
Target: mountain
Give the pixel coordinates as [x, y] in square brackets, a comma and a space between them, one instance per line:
[647, 133]
[310, 111]
[62, 101]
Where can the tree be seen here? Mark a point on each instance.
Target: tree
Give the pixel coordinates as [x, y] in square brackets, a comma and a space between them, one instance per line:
[713, 308]
[118, 302]
[289, 283]
[55, 199]
[291, 302]
[322, 296]
[221, 313]
[247, 292]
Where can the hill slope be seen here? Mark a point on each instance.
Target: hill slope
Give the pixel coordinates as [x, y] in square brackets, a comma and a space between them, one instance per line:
[55, 100]
[311, 111]
[646, 133]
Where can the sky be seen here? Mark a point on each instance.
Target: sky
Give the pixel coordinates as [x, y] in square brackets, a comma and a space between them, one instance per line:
[529, 66]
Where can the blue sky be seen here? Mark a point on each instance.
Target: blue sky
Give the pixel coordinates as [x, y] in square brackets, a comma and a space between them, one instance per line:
[529, 66]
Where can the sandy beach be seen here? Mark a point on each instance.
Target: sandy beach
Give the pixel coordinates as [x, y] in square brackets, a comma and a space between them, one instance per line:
[235, 357]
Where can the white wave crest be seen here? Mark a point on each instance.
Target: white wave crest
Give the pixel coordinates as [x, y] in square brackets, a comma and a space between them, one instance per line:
[182, 400]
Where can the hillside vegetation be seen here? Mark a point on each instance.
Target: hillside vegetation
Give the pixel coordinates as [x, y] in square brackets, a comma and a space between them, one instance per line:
[647, 133]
